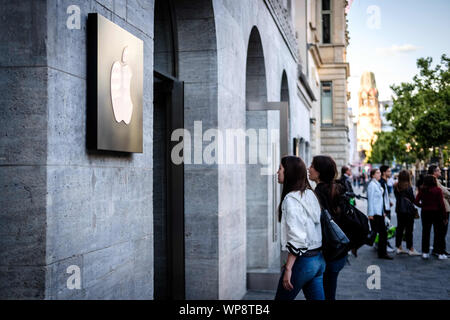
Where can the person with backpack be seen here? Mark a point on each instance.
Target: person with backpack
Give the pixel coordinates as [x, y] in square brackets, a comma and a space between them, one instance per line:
[323, 172]
[405, 213]
[431, 200]
[375, 212]
[301, 235]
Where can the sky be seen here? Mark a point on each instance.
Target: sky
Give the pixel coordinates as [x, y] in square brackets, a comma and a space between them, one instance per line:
[388, 36]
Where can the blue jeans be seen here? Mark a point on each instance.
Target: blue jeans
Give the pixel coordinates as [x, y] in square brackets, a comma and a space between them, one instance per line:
[307, 274]
[330, 277]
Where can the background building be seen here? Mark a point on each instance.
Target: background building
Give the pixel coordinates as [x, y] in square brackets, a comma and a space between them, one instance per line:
[322, 32]
[369, 121]
[353, 143]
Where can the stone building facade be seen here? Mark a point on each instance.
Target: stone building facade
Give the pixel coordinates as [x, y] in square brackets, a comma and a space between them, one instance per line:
[326, 43]
[107, 213]
[369, 120]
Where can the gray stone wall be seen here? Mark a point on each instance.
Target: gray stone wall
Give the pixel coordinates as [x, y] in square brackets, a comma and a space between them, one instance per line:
[234, 24]
[99, 204]
[89, 209]
[23, 149]
[273, 228]
[197, 57]
[333, 139]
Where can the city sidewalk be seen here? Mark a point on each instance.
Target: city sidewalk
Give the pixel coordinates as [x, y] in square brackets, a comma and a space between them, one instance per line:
[403, 278]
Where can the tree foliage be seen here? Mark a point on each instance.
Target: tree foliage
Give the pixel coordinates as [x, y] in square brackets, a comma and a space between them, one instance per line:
[420, 116]
[389, 146]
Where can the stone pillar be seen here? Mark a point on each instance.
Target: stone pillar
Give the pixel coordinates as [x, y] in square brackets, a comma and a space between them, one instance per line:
[23, 145]
[64, 205]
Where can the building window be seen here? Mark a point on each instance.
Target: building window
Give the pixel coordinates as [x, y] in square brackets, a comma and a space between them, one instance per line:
[326, 103]
[326, 21]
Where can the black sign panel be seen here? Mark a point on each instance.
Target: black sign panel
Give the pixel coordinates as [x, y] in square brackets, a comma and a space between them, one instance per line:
[115, 87]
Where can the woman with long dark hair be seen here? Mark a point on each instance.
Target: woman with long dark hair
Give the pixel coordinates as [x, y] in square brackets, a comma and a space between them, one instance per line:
[301, 234]
[323, 172]
[431, 200]
[405, 221]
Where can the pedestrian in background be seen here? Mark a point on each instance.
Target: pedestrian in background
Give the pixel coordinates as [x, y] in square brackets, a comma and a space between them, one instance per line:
[405, 221]
[431, 200]
[365, 183]
[375, 212]
[301, 234]
[346, 172]
[390, 184]
[323, 172]
[385, 175]
[436, 172]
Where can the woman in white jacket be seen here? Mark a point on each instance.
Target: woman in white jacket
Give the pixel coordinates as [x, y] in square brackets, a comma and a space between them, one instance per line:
[301, 234]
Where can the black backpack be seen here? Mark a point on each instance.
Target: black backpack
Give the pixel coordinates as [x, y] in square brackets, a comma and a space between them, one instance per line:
[354, 223]
[407, 207]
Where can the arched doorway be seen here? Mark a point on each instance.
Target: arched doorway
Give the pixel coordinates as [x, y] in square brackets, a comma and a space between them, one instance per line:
[256, 85]
[186, 60]
[284, 97]
[168, 178]
[261, 188]
[284, 91]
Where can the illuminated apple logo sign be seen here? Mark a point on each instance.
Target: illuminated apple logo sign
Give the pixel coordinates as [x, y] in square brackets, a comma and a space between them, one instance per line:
[121, 89]
[115, 87]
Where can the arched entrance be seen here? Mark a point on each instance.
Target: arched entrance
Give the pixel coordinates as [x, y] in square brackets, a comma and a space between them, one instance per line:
[284, 91]
[261, 187]
[284, 97]
[168, 178]
[185, 63]
[256, 85]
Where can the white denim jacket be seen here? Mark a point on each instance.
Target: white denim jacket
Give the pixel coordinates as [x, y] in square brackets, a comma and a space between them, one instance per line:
[374, 198]
[300, 222]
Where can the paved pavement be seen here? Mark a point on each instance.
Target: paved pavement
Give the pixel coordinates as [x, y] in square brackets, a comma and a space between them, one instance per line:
[403, 278]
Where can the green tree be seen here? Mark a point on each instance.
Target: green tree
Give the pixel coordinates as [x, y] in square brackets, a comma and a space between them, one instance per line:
[389, 146]
[420, 116]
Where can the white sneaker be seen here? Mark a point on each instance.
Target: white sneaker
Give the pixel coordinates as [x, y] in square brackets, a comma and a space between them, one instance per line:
[413, 253]
[442, 257]
[425, 255]
[401, 250]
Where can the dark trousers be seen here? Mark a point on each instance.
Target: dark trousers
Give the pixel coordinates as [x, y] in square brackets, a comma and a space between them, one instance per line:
[330, 277]
[444, 234]
[435, 219]
[379, 227]
[405, 224]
